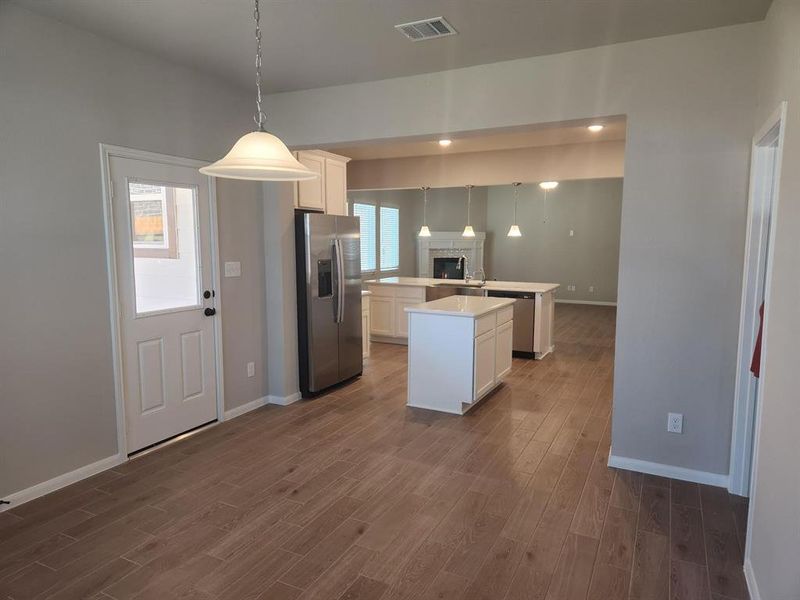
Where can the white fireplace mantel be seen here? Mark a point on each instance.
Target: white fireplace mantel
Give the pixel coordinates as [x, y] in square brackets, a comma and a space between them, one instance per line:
[449, 244]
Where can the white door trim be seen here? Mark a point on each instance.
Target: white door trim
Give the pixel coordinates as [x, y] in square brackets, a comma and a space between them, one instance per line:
[108, 151]
[746, 409]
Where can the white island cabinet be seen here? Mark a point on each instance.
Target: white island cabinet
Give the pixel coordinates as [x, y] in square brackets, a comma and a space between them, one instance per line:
[459, 350]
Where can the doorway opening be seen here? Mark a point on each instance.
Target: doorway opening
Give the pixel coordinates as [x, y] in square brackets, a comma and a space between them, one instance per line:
[765, 169]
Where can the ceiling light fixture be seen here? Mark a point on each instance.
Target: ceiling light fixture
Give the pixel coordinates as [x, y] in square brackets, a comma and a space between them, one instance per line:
[259, 155]
[424, 231]
[595, 128]
[468, 231]
[514, 229]
[546, 185]
[445, 143]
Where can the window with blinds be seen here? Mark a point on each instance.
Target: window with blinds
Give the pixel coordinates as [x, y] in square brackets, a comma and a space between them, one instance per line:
[368, 221]
[390, 238]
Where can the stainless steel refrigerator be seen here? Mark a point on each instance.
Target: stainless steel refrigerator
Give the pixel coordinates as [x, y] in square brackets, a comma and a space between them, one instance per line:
[328, 299]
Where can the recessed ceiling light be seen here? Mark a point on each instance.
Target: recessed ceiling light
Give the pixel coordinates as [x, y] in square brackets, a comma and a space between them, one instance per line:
[595, 128]
[548, 185]
[445, 143]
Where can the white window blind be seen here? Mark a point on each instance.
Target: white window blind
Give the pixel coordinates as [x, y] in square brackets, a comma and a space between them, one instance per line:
[366, 213]
[390, 238]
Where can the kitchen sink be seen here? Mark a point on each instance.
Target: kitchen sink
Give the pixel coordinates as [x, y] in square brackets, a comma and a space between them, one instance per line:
[457, 283]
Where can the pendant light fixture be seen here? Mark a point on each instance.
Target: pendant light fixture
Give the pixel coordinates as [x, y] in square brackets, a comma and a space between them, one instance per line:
[259, 155]
[514, 229]
[424, 231]
[468, 231]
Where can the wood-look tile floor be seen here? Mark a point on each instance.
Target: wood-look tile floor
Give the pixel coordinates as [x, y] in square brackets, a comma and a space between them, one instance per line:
[355, 496]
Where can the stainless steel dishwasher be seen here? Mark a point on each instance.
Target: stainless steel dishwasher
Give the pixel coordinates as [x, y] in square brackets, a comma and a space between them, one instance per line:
[524, 311]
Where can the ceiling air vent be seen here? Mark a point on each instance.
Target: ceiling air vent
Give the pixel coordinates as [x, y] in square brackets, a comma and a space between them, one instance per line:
[427, 29]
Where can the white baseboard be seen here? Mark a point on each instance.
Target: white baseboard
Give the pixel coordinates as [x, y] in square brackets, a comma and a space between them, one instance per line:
[56, 483]
[245, 408]
[592, 302]
[259, 402]
[284, 400]
[750, 578]
[682, 473]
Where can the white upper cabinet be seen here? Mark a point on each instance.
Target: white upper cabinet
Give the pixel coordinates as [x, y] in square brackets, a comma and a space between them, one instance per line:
[328, 192]
[335, 187]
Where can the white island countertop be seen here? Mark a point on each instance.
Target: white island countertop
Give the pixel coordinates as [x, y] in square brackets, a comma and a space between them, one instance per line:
[498, 286]
[461, 306]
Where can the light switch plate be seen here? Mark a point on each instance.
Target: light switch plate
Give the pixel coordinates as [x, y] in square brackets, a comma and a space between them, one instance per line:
[233, 269]
[251, 369]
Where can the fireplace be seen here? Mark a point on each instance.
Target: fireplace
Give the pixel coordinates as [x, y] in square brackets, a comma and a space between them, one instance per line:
[437, 255]
[447, 267]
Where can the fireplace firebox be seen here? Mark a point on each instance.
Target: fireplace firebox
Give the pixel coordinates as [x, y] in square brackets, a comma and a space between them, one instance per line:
[448, 268]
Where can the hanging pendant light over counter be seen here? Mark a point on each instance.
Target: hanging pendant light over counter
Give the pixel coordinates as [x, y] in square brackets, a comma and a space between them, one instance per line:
[424, 231]
[259, 155]
[468, 231]
[514, 229]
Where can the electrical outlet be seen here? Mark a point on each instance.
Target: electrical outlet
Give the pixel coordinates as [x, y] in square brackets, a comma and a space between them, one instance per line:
[591, 289]
[571, 233]
[675, 423]
[251, 369]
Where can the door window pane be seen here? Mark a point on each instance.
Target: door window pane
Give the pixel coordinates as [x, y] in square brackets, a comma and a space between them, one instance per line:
[164, 238]
[390, 238]
[367, 220]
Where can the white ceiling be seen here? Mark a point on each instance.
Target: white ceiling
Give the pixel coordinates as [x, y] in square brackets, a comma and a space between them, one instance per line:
[316, 43]
[550, 134]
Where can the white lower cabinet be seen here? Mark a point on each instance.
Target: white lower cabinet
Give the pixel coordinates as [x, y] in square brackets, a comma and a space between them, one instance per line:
[389, 320]
[401, 318]
[504, 347]
[381, 316]
[484, 364]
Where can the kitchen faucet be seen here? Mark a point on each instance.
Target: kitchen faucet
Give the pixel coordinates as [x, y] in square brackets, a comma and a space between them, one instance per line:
[462, 264]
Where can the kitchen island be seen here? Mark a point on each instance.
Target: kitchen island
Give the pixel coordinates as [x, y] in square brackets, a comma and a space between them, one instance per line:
[534, 314]
[459, 350]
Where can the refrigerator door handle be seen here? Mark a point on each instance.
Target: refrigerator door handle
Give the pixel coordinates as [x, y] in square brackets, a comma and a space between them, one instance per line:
[340, 287]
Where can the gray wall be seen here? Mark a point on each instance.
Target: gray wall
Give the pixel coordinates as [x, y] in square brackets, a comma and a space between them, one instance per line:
[546, 252]
[775, 507]
[689, 101]
[240, 205]
[63, 91]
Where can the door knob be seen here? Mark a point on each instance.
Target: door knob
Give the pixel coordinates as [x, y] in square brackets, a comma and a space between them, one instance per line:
[210, 312]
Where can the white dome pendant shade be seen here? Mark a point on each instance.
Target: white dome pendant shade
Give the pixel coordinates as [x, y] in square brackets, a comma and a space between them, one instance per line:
[469, 232]
[514, 231]
[424, 231]
[259, 156]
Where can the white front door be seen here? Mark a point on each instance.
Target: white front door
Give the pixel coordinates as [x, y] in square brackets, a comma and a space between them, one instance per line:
[162, 237]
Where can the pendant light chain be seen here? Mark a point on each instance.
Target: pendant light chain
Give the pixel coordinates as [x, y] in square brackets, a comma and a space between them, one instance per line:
[469, 202]
[259, 117]
[516, 197]
[425, 204]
